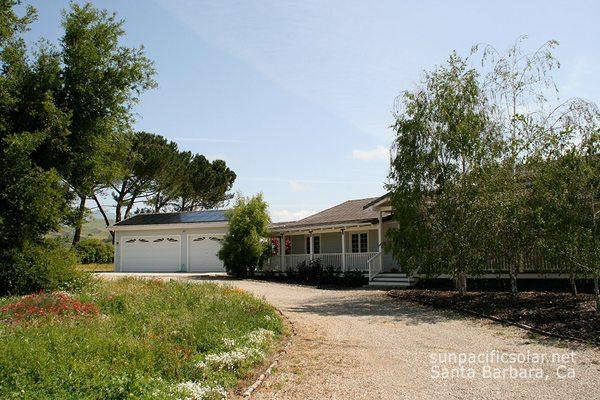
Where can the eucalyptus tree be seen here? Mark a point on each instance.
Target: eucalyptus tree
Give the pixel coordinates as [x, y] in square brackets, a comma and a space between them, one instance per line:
[102, 81]
[443, 139]
[518, 83]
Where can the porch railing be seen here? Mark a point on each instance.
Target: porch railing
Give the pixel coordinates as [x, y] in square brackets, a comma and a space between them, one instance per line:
[354, 261]
[375, 265]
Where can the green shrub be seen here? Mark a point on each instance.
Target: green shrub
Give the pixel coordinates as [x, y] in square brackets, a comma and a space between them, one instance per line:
[94, 251]
[353, 278]
[48, 265]
[329, 275]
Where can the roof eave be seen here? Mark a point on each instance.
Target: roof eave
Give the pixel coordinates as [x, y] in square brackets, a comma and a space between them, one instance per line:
[182, 225]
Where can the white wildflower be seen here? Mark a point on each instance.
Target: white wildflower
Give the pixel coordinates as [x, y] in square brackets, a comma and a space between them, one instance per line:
[201, 365]
[229, 342]
[259, 336]
[231, 360]
[197, 391]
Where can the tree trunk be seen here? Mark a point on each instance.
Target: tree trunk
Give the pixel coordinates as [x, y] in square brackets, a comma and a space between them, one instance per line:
[597, 293]
[513, 271]
[461, 283]
[79, 219]
[573, 284]
[106, 220]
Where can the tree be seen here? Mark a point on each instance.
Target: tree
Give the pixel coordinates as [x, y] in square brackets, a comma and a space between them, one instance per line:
[443, 139]
[102, 81]
[244, 244]
[148, 157]
[517, 82]
[34, 199]
[191, 182]
[566, 187]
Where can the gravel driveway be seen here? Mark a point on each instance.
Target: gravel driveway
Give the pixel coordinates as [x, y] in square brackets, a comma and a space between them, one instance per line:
[360, 344]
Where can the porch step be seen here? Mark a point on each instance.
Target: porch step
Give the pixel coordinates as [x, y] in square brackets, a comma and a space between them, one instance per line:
[393, 280]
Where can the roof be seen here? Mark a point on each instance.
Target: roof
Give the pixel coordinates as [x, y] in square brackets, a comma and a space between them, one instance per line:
[349, 212]
[190, 217]
[377, 200]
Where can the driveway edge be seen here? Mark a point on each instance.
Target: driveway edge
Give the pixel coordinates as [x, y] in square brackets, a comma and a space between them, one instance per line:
[269, 371]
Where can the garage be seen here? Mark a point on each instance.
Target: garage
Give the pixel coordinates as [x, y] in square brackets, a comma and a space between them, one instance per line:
[151, 253]
[202, 254]
[170, 242]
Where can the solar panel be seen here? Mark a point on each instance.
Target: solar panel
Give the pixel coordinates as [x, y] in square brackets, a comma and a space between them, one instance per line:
[176, 218]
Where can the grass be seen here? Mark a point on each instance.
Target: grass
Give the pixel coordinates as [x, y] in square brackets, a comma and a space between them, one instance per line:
[133, 339]
[95, 267]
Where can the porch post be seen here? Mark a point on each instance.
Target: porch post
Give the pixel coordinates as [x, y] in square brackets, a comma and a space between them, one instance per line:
[311, 244]
[282, 251]
[380, 231]
[343, 250]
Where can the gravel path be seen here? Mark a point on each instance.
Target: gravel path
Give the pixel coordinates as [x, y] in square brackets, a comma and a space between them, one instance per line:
[360, 344]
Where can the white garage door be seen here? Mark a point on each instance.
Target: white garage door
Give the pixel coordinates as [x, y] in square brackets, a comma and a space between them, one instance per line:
[202, 253]
[151, 253]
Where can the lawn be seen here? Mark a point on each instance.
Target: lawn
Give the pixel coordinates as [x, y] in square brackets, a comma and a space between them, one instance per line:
[95, 267]
[133, 339]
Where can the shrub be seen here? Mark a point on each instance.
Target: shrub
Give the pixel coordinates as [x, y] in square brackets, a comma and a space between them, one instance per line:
[94, 251]
[309, 271]
[244, 247]
[47, 265]
[329, 275]
[353, 278]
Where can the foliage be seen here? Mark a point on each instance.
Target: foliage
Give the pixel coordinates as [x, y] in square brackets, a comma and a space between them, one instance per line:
[46, 265]
[94, 251]
[482, 170]
[150, 340]
[444, 139]
[102, 80]
[243, 246]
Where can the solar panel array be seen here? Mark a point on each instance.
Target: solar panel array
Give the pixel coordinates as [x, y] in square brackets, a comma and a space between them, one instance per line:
[176, 218]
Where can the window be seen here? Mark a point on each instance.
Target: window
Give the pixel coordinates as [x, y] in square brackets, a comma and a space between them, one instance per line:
[360, 242]
[316, 245]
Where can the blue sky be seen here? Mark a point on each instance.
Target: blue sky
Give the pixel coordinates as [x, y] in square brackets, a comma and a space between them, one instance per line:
[297, 96]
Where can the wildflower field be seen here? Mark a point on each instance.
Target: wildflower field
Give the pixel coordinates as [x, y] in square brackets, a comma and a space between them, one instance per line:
[133, 339]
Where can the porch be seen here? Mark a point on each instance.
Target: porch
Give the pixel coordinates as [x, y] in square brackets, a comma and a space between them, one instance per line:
[341, 261]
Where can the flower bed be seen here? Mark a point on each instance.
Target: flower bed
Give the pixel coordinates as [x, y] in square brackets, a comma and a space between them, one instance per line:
[134, 339]
[36, 306]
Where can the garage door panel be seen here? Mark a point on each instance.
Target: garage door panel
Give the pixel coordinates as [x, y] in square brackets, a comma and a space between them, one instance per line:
[151, 253]
[202, 253]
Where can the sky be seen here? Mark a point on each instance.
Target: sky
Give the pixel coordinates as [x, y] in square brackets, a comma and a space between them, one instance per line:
[297, 96]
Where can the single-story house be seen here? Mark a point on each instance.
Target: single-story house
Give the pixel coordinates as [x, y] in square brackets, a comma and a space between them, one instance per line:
[348, 236]
[170, 242]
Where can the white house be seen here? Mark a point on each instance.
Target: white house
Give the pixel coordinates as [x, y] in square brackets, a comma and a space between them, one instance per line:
[348, 236]
[170, 242]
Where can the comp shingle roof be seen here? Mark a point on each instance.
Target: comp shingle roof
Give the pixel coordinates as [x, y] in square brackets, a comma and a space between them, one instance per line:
[351, 211]
[190, 217]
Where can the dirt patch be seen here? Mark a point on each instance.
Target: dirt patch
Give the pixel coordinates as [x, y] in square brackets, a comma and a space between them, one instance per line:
[557, 313]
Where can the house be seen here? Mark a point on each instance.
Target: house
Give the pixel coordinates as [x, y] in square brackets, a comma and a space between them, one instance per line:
[348, 236]
[170, 242]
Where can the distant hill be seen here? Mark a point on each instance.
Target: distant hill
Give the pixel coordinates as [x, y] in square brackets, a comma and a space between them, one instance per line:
[93, 228]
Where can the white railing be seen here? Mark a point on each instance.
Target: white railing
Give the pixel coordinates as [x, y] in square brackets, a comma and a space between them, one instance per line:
[375, 265]
[354, 261]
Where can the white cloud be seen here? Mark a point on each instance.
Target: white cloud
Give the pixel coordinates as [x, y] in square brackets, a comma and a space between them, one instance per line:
[288, 215]
[297, 186]
[379, 153]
